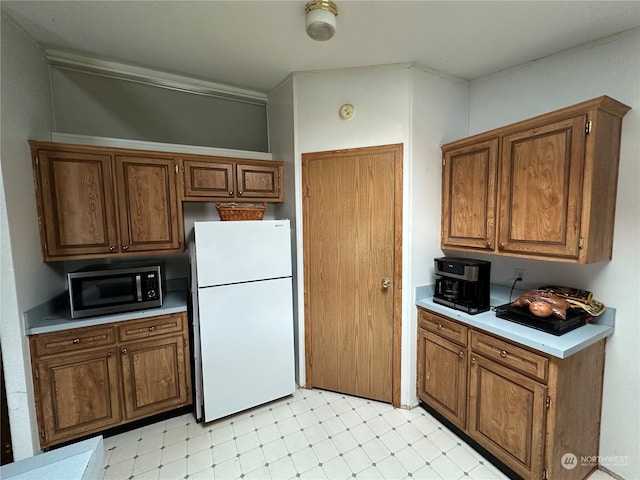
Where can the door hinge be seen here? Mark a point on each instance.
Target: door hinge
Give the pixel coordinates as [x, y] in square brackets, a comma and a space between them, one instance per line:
[37, 374]
[182, 168]
[311, 360]
[587, 127]
[37, 161]
[308, 191]
[548, 402]
[176, 168]
[544, 474]
[581, 243]
[42, 434]
[444, 161]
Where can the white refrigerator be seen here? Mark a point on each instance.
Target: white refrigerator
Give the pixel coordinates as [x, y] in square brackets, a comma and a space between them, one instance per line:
[241, 290]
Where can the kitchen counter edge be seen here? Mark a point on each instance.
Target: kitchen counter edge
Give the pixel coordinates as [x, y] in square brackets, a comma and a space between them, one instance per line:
[54, 315]
[561, 346]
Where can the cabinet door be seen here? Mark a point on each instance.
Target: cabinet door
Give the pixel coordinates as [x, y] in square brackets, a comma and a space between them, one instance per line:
[154, 376]
[469, 196]
[507, 415]
[150, 217]
[77, 394]
[76, 203]
[442, 376]
[208, 180]
[258, 182]
[541, 183]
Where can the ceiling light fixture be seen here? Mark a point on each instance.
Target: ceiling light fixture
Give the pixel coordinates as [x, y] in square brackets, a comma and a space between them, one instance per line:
[320, 21]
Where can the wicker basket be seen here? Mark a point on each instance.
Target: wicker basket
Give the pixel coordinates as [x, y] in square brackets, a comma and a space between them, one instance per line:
[241, 211]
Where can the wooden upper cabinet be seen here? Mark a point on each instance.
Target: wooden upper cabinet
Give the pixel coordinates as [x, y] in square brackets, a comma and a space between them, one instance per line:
[230, 179]
[149, 209]
[552, 194]
[258, 181]
[469, 195]
[98, 202]
[204, 180]
[541, 182]
[76, 203]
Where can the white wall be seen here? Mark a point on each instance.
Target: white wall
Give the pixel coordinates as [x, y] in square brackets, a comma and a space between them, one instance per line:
[393, 104]
[26, 280]
[281, 125]
[440, 115]
[609, 67]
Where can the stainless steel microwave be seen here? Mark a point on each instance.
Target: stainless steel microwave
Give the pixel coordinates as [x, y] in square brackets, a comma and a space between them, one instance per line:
[105, 289]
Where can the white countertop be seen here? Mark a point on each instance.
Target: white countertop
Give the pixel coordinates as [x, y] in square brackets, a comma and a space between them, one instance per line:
[559, 346]
[54, 315]
[78, 461]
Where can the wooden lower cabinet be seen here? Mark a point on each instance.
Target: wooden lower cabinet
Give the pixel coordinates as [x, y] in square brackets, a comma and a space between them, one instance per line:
[90, 379]
[530, 410]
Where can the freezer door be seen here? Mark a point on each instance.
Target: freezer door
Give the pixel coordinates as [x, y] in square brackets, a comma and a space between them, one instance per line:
[242, 251]
[246, 332]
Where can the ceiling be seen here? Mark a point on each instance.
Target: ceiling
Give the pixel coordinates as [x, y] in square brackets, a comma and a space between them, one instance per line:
[256, 44]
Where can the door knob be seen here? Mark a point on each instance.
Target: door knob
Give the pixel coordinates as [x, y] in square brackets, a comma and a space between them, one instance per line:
[386, 282]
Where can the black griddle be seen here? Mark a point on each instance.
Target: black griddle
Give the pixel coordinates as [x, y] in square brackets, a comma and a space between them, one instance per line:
[576, 317]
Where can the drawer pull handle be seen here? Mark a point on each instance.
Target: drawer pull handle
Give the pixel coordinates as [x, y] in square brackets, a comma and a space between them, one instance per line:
[503, 353]
[439, 326]
[152, 328]
[76, 341]
[461, 354]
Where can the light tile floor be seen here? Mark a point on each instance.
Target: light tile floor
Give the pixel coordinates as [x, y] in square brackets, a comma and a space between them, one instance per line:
[313, 434]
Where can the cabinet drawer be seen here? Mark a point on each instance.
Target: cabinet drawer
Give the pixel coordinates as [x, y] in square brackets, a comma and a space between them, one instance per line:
[510, 355]
[443, 327]
[72, 340]
[151, 327]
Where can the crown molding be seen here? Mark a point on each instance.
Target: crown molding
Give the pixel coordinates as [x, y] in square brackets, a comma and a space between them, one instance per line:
[157, 78]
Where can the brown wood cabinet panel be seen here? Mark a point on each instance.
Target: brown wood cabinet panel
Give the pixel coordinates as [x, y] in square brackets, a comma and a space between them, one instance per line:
[258, 181]
[520, 404]
[507, 415]
[469, 195]
[75, 201]
[88, 379]
[154, 376]
[72, 340]
[510, 355]
[541, 189]
[149, 217]
[443, 326]
[78, 394]
[556, 181]
[442, 376]
[152, 327]
[207, 179]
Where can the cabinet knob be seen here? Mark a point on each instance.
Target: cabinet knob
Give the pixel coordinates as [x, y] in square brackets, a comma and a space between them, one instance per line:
[473, 359]
[501, 246]
[461, 354]
[124, 350]
[76, 340]
[231, 194]
[503, 353]
[125, 247]
[240, 192]
[439, 326]
[112, 248]
[488, 245]
[386, 283]
[152, 328]
[109, 355]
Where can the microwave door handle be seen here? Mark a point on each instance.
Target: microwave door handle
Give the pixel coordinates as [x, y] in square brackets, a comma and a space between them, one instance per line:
[139, 287]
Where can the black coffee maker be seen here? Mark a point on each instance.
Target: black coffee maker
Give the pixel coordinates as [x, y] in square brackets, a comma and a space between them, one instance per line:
[463, 284]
